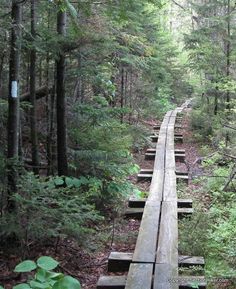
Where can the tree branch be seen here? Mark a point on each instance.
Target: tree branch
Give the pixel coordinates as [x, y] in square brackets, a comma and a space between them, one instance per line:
[176, 3]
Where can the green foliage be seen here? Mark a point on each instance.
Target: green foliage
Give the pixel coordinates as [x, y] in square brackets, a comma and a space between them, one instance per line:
[201, 125]
[44, 277]
[46, 208]
[103, 152]
[212, 233]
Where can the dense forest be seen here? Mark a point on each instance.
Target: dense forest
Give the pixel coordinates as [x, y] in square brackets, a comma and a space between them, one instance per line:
[80, 84]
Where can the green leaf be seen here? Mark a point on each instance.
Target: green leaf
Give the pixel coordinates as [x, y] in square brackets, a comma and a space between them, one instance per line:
[59, 181]
[22, 286]
[41, 275]
[67, 282]
[54, 275]
[38, 285]
[1, 287]
[25, 266]
[47, 263]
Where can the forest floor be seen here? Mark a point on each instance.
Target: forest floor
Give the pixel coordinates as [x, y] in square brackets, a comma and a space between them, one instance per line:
[118, 235]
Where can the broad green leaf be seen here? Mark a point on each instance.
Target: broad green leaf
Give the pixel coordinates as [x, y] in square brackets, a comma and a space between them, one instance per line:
[25, 266]
[69, 181]
[54, 275]
[38, 285]
[67, 282]
[22, 286]
[1, 287]
[58, 181]
[41, 275]
[47, 263]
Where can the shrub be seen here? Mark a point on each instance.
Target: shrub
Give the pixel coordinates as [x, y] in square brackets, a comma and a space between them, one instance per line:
[44, 277]
[47, 208]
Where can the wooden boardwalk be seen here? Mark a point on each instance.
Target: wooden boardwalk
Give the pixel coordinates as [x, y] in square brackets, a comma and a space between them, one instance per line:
[155, 261]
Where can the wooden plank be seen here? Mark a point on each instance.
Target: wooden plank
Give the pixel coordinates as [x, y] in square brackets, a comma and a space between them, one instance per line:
[185, 203]
[137, 213]
[139, 276]
[186, 282]
[167, 251]
[187, 261]
[150, 171]
[147, 176]
[177, 151]
[140, 203]
[156, 186]
[165, 277]
[148, 232]
[120, 261]
[137, 203]
[185, 212]
[111, 282]
[178, 157]
[169, 193]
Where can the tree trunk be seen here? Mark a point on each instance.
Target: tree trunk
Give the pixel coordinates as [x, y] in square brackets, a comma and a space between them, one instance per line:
[122, 93]
[228, 63]
[13, 102]
[61, 101]
[33, 126]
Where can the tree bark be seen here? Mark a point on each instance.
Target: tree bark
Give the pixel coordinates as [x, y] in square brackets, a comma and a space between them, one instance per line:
[33, 126]
[61, 101]
[122, 91]
[13, 102]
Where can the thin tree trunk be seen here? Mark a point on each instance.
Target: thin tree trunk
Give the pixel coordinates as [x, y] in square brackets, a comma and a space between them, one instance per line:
[13, 102]
[61, 102]
[122, 94]
[33, 126]
[130, 96]
[228, 48]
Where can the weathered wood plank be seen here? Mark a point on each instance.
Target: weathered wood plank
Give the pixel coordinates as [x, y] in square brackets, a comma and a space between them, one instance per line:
[119, 282]
[139, 276]
[147, 176]
[137, 213]
[165, 277]
[140, 203]
[148, 232]
[179, 157]
[119, 261]
[167, 251]
[156, 186]
[169, 193]
[186, 261]
[111, 282]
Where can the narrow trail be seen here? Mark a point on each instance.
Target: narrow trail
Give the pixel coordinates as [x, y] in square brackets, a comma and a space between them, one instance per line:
[155, 260]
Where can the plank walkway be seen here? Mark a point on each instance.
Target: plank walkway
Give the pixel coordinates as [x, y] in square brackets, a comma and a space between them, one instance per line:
[155, 261]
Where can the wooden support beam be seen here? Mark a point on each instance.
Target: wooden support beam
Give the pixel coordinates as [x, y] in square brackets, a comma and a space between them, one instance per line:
[119, 282]
[158, 126]
[144, 176]
[140, 203]
[120, 262]
[178, 138]
[111, 282]
[137, 213]
[188, 261]
[179, 155]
